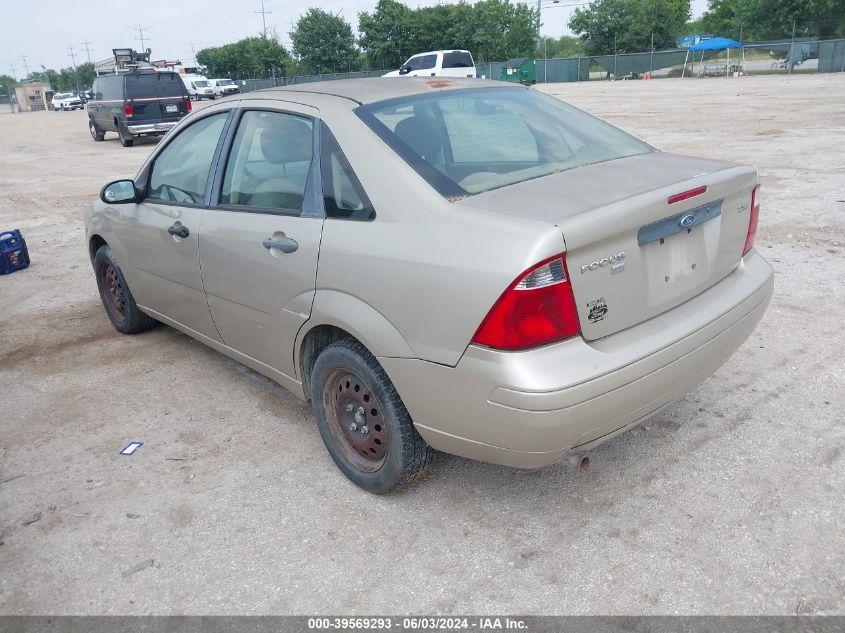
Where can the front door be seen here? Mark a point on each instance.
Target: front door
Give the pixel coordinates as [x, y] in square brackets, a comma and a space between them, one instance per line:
[161, 234]
[260, 241]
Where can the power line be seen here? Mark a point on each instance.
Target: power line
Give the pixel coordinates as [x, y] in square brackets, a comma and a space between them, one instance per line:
[263, 18]
[87, 50]
[141, 37]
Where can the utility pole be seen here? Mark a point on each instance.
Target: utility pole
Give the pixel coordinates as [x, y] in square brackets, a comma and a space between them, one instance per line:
[25, 66]
[87, 50]
[141, 37]
[14, 74]
[72, 55]
[791, 47]
[193, 55]
[264, 14]
[651, 65]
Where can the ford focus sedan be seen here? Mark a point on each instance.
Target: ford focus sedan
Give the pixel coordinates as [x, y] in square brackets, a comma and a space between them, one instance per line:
[457, 265]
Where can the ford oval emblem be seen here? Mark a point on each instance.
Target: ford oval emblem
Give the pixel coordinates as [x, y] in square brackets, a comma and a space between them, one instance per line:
[687, 221]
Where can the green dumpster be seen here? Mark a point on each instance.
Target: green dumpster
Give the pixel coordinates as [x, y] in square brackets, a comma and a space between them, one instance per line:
[520, 69]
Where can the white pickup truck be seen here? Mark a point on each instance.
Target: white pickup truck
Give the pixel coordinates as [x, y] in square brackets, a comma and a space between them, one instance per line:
[66, 101]
[455, 63]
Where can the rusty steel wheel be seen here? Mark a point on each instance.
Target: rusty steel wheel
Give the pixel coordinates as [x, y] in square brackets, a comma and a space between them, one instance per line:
[356, 420]
[115, 299]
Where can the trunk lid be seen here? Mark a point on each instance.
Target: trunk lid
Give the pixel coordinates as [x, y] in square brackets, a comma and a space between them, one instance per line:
[631, 255]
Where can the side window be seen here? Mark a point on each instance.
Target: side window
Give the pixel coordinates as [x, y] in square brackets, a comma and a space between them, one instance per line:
[422, 62]
[111, 88]
[180, 173]
[95, 91]
[269, 162]
[457, 59]
[343, 195]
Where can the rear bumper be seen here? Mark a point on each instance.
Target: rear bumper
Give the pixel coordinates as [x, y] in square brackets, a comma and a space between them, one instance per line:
[152, 128]
[529, 409]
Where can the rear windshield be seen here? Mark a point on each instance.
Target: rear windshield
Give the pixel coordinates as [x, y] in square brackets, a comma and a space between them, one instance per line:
[469, 141]
[457, 60]
[149, 85]
[225, 82]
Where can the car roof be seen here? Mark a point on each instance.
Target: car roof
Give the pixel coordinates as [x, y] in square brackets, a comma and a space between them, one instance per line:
[376, 89]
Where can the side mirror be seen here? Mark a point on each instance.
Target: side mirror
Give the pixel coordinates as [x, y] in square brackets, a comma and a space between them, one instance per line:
[119, 192]
[404, 69]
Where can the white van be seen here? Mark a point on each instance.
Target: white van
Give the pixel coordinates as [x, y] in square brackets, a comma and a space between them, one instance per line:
[457, 63]
[224, 87]
[198, 87]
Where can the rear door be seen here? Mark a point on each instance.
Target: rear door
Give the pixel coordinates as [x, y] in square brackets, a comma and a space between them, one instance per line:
[261, 237]
[458, 64]
[156, 96]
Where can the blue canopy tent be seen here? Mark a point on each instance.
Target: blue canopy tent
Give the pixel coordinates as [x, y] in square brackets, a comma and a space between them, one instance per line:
[712, 44]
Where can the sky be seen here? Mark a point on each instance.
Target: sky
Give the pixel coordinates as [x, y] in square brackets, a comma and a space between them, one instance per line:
[46, 32]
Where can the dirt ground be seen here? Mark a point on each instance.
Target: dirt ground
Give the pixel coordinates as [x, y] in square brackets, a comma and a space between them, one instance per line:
[728, 502]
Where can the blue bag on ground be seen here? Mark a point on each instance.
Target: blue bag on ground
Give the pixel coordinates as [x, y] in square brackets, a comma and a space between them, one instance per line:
[13, 253]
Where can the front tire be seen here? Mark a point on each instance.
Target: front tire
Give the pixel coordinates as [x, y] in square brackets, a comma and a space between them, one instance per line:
[363, 422]
[96, 133]
[117, 299]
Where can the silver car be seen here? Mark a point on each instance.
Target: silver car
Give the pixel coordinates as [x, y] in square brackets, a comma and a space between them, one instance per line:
[457, 265]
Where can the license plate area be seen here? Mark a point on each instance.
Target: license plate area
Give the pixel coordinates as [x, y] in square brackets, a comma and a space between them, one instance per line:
[680, 262]
[171, 108]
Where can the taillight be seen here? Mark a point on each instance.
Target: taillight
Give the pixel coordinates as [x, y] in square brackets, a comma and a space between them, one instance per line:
[753, 217]
[128, 110]
[538, 308]
[188, 105]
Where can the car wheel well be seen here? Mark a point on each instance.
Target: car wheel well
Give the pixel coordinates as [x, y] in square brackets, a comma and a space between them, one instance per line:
[315, 342]
[96, 243]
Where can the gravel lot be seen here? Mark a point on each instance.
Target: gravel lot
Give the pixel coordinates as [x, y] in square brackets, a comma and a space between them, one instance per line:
[728, 502]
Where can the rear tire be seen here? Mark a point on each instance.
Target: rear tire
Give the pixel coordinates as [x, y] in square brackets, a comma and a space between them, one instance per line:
[126, 139]
[363, 422]
[117, 299]
[96, 133]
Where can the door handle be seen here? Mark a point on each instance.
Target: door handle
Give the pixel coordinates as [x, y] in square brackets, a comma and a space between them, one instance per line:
[286, 245]
[179, 231]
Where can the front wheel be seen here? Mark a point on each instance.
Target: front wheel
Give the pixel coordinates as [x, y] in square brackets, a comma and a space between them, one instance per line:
[117, 299]
[96, 133]
[363, 422]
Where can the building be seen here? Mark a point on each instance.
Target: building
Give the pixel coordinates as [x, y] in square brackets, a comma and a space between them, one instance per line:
[32, 96]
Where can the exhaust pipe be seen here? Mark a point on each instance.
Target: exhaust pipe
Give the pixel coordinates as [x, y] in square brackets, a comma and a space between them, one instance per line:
[579, 461]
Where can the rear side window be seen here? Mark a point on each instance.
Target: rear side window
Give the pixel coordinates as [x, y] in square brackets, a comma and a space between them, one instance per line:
[110, 88]
[422, 62]
[180, 172]
[343, 195]
[457, 60]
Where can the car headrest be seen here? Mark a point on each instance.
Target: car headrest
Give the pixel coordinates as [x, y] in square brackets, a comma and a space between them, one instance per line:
[420, 136]
[286, 139]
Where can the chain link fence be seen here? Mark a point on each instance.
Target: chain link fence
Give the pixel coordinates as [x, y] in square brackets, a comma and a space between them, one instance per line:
[776, 56]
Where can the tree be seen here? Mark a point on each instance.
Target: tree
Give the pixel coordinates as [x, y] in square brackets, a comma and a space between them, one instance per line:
[773, 19]
[626, 26]
[490, 29]
[323, 43]
[249, 57]
[561, 47]
[386, 34]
